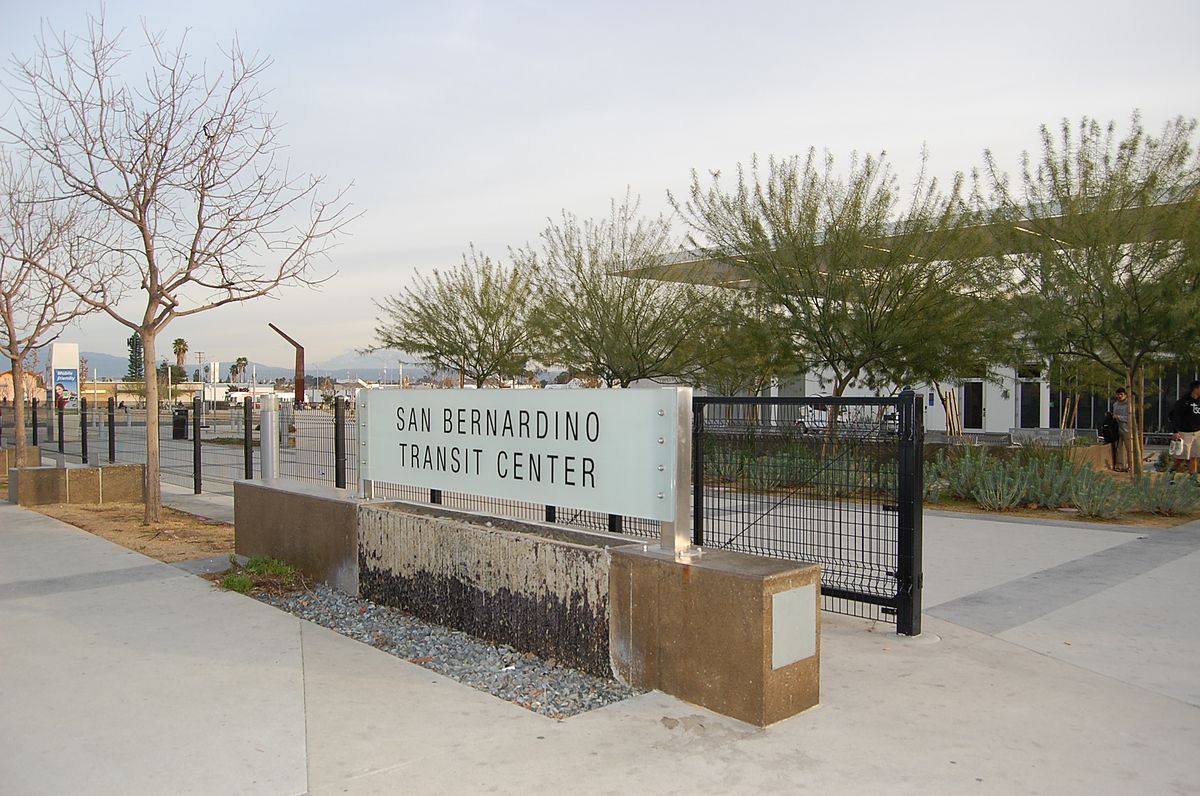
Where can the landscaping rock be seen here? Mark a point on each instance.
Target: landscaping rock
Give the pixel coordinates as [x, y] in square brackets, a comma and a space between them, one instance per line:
[521, 678]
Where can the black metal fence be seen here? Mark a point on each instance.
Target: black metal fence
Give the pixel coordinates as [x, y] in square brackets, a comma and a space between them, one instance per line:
[835, 482]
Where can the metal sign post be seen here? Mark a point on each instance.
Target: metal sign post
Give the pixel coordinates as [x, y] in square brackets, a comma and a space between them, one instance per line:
[676, 534]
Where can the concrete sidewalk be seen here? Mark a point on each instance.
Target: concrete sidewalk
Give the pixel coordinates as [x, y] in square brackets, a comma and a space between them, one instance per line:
[122, 675]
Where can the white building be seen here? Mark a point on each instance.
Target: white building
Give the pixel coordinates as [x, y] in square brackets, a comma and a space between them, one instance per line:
[1009, 401]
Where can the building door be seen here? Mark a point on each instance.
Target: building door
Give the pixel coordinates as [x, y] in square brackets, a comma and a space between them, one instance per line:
[972, 405]
[1031, 404]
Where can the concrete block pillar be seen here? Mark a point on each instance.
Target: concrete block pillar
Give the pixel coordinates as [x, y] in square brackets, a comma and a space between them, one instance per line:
[734, 633]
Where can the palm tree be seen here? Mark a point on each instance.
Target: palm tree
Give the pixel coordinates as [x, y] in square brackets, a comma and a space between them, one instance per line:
[180, 347]
[241, 364]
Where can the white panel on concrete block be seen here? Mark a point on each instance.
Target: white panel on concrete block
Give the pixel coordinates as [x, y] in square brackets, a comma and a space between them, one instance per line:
[793, 626]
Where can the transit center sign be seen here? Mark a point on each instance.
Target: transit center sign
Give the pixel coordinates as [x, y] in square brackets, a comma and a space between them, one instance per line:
[612, 451]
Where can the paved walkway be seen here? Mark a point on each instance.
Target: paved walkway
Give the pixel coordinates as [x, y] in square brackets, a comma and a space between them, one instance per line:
[122, 675]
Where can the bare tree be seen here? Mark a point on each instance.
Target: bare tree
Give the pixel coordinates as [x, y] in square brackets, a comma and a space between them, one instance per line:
[184, 168]
[618, 328]
[37, 236]
[473, 319]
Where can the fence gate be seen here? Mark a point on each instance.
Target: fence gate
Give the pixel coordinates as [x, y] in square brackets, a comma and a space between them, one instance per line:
[836, 482]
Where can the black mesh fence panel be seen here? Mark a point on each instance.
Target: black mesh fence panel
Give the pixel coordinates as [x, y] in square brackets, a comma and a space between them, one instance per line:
[814, 480]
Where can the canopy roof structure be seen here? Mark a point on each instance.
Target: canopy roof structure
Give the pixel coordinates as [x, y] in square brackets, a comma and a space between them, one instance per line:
[1166, 221]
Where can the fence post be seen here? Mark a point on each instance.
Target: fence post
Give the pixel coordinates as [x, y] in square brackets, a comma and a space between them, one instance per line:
[197, 478]
[697, 473]
[551, 513]
[112, 430]
[83, 435]
[435, 496]
[339, 442]
[616, 523]
[248, 435]
[33, 426]
[911, 495]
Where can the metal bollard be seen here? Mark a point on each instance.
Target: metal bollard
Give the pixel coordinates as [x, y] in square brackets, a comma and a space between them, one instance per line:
[197, 479]
[112, 430]
[269, 439]
[248, 436]
[339, 442]
[83, 430]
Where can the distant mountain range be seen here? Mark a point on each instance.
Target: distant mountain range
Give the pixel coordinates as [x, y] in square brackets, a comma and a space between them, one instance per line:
[348, 365]
[377, 366]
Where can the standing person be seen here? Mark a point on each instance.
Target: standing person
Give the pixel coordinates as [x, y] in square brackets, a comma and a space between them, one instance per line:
[1122, 454]
[1185, 423]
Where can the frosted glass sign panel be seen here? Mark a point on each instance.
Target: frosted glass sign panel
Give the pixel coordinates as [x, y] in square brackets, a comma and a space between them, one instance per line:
[604, 450]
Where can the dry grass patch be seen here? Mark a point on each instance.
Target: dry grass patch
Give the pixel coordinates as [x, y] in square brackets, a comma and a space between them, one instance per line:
[177, 537]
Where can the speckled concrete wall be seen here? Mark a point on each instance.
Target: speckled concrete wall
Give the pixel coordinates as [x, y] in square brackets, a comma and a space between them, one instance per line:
[540, 593]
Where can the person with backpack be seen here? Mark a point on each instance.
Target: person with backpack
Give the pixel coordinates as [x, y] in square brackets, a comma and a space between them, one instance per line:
[1122, 453]
[1185, 428]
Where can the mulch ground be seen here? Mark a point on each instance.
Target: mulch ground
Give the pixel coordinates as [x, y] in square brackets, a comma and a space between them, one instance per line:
[177, 537]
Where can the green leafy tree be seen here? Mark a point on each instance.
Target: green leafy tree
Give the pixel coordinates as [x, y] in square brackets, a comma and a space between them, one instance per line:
[237, 371]
[179, 347]
[137, 363]
[973, 336]
[1101, 229]
[594, 320]
[861, 273]
[472, 319]
[745, 351]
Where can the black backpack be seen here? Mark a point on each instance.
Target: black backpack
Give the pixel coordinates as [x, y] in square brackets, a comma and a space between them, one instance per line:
[1110, 432]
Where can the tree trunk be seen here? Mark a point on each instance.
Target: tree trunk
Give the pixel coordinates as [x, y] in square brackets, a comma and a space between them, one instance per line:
[953, 429]
[832, 413]
[18, 377]
[1134, 449]
[1140, 407]
[153, 487]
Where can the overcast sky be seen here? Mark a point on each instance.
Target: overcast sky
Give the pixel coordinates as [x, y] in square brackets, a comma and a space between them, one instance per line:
[462, 122]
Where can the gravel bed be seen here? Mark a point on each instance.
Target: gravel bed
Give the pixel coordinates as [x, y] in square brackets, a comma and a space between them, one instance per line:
[543, 686]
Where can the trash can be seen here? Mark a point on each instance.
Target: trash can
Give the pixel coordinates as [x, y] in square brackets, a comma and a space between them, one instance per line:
[179, 423]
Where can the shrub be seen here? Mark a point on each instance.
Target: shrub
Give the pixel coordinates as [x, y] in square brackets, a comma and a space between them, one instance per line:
[1001, 486]
[1039, 453]
[933, 482]
[766, 472]
[1050, 482]
[1097, 495]
[1166, 496]
[962, 468]
[727, 463]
